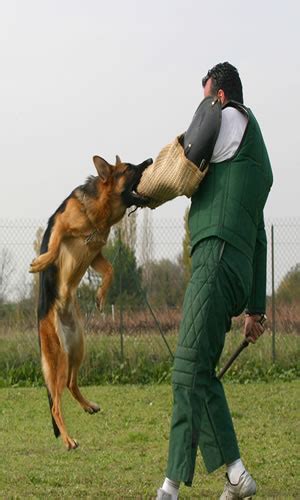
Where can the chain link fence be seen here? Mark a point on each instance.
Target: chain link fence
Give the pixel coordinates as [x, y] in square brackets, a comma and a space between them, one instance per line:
[141, 318]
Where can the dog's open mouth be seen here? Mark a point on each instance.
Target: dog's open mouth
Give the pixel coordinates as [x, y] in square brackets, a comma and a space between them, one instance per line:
[130, 195]
[134, 188]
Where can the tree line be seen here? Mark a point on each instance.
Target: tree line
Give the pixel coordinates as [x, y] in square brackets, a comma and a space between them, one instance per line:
[162, 282]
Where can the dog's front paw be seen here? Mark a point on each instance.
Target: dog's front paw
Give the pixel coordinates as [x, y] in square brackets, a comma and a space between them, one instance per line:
[40, 263]
[34, 266]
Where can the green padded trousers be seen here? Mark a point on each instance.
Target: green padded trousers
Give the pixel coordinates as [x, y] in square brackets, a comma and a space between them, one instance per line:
[218, 290]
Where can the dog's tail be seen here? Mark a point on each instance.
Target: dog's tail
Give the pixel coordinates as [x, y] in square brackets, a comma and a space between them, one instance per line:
[54, 424]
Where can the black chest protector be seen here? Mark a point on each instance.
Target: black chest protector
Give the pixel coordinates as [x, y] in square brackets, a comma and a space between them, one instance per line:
[200, 138]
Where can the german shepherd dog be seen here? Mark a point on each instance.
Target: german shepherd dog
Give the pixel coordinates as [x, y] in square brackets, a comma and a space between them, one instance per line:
[73, 241]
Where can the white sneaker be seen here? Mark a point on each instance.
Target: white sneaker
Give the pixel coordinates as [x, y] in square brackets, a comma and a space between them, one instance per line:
[245, 488]
[163, 495]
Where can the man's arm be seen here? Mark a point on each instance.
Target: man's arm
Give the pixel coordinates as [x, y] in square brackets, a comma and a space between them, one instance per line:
[257, 300]
[256, 306]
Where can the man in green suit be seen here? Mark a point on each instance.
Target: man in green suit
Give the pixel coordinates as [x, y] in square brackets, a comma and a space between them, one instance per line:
[229, 249]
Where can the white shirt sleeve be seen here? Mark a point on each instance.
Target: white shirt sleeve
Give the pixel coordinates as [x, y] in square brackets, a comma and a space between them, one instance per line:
[233, 126]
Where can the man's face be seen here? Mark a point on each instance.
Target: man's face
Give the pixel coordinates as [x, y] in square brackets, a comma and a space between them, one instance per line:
[207, 90]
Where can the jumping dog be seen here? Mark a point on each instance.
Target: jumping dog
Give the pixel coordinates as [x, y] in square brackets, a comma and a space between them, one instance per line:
[73, 241]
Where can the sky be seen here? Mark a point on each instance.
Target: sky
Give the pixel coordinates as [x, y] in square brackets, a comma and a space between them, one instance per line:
[87, 77]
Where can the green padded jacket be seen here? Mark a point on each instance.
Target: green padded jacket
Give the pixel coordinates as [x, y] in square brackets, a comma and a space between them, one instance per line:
[229, 204]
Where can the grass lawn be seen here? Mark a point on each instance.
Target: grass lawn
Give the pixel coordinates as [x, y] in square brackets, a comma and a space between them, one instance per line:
[123, 449]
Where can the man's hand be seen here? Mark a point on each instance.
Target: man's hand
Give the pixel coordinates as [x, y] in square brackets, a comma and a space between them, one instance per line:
[253, 327]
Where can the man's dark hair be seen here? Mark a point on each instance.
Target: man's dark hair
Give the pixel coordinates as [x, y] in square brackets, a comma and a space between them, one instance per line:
[226, 77]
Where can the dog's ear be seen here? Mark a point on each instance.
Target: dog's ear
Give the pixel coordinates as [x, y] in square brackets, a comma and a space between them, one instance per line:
[118, 160]
[103, 168]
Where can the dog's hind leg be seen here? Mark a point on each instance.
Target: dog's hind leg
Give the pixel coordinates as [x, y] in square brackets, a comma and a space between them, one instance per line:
[88, 406]
[55, 369]
[75, 360]
[71, 330]
[104, 267]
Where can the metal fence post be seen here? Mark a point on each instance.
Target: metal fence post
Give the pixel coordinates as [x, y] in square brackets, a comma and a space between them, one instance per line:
[121, 325]
[273, 296]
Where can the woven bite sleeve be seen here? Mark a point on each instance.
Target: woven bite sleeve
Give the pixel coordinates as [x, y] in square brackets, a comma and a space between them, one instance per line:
[170, 175]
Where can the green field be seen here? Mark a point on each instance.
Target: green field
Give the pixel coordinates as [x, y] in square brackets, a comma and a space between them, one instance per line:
[123, 449]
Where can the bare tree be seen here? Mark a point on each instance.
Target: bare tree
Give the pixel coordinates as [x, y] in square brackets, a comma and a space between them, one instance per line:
[38, 240]
[36, 246]
[6, 271]
[127, 228]
[147, 246]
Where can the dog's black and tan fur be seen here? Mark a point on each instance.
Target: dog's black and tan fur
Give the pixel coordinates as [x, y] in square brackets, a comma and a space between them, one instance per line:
[72, 242]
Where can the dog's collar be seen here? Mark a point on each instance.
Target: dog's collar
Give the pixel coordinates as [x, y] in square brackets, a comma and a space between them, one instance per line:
[94, 236]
